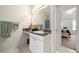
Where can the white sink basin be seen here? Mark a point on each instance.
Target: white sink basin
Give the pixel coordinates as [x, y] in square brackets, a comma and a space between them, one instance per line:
[40, 32]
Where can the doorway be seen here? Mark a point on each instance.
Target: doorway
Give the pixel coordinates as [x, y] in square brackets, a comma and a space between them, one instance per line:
[68, 26]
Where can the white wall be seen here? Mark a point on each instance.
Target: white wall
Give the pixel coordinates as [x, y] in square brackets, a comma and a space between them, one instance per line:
[22, 15]
[55, 24]
[77, 32]
[58, 27]
[15, 14]
[39, 17]
[52, 27]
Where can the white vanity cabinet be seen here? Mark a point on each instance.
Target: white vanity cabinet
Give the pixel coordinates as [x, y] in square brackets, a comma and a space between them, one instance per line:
[40, 44]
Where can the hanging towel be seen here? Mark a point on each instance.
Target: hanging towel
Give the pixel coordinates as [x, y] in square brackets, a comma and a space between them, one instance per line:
[0, 29]
[6, 29]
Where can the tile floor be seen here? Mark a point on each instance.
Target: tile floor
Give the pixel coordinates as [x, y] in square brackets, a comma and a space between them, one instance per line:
[6, 46]
[65, 50]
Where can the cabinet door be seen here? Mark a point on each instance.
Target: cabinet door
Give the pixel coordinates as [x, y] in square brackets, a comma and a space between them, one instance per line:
[32, 44]
[39, 46]
[36, 45]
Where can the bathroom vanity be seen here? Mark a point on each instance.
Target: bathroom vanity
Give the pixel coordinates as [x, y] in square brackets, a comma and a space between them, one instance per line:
[39, 41]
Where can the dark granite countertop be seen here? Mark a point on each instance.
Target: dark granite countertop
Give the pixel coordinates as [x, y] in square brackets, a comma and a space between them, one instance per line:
[41, 34]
